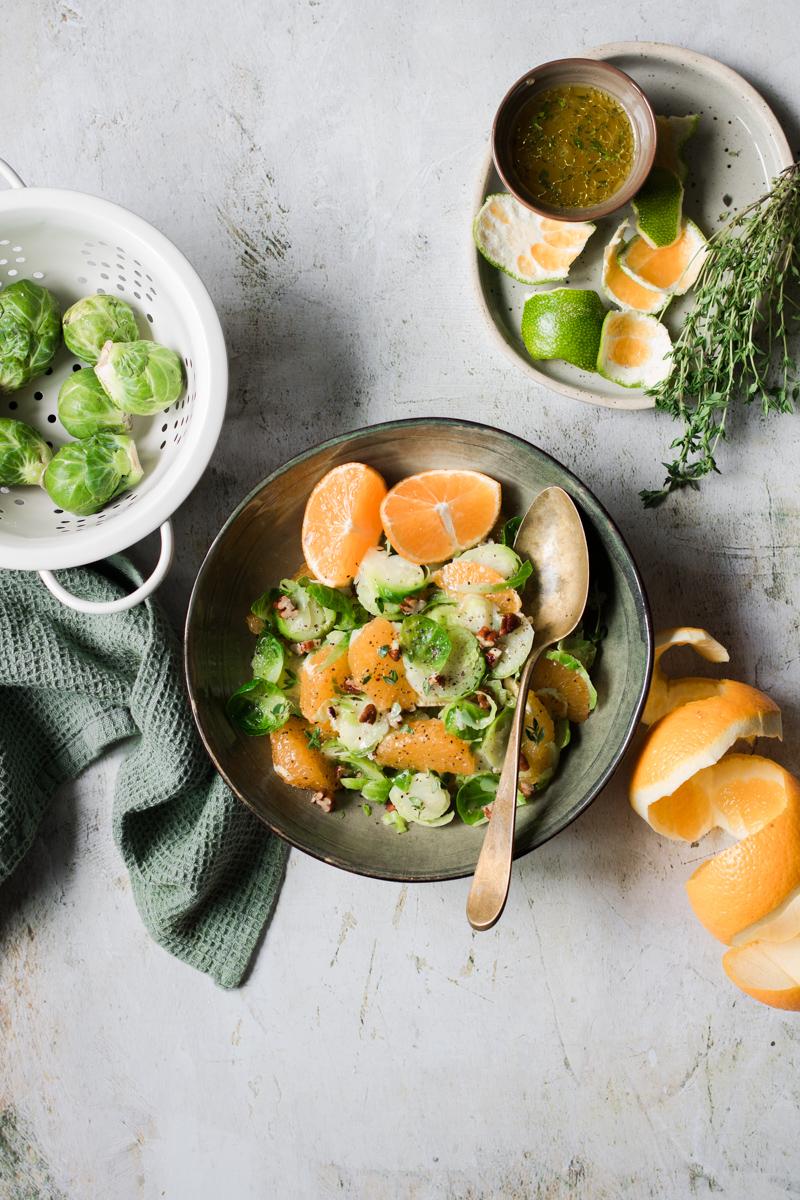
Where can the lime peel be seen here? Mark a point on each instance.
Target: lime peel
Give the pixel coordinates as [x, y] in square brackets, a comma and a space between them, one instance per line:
[564, 323]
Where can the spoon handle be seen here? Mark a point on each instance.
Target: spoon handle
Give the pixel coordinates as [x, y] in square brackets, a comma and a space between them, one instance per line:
[487, 895]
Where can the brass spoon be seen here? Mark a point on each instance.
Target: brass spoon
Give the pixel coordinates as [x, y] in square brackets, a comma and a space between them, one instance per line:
[552, 537]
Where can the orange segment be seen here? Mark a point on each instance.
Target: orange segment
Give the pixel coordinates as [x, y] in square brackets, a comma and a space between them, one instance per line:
[426, 746]
[555, 677]
[749, 891]
[379, 676]
[563, 233]
[540, 753]
[342, 521]
[552, 258]
[664, 267]
[299, 764]
[432, 516]
[767, 971]
[321, 677]
[459, 577]
[692, 737]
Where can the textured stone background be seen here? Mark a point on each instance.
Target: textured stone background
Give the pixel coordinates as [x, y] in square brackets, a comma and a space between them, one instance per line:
[316, 161]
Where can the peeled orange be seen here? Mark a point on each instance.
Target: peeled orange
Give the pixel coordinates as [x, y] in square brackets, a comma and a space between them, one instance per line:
[297, 762]
[377, 674]
[321, 676]
[426, 746]
[432, 516]
[460, 576]
[342, 521]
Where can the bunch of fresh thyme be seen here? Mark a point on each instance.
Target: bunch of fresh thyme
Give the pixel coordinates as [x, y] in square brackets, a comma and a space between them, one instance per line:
[735, 340]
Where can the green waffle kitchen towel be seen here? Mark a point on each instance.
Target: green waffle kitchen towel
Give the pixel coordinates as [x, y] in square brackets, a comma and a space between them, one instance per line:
[205, 872]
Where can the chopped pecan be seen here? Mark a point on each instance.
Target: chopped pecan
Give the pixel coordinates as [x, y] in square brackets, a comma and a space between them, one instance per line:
[493, 656]
[341, 771]
[524, 765]
[307, 646]
[285, 608]
[436, 680]
[331, 711]
[368, 715]
[324, 801]
[488, 810]
[487, 637]
[394, 652]
[483, 701]
[510, 621]
[411, 604]
[527, 789]
[351, 687]
[255, 624]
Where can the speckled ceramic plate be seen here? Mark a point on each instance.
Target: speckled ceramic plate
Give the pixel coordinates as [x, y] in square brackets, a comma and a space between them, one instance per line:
[260, 543]
[738, 148]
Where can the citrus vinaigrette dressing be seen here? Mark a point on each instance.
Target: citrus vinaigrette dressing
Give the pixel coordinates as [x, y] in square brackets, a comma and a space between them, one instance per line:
[572, 146]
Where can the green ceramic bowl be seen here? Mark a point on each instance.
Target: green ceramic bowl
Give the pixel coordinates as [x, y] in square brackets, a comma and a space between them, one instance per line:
[260, 543]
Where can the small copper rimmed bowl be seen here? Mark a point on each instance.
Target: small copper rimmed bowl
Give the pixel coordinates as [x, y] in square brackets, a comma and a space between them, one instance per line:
[590, 73]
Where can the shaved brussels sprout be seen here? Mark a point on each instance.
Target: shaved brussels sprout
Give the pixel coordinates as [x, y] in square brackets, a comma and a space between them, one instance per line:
[92, 322]
[24, 454]
[30, 331]
[84, 407]
[140, 377]
[83, 476]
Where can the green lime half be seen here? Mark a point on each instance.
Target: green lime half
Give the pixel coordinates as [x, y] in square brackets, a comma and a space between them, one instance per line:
[659, 207]
[566, 324]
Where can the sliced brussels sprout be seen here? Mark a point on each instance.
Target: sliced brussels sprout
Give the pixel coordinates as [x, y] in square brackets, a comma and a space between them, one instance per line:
[85, 408]
[306, 619]
[267, 662]
[425, 642]
[258, 707]
[92, 322]
[580, 647]
[356, 734]
[140, 377]
[24, 454]
[467, 719]
[349, 614]
[473, 796]
[30, 333]
[460, 675]
[83, 476]
[423, 800]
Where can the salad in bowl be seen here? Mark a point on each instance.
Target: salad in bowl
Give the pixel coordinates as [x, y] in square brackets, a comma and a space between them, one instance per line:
[386, 668]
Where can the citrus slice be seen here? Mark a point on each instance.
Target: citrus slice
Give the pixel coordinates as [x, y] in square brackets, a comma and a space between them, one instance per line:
[673, 269]
[564, 323]
[425, 745]
[321, 676]
[665, 693]
[377, 667]
[527, 247]
[767, 971]
[297, 762]
[686, 740]
[671, 135]
[342, 521]
[659, 207]
[559, 672]
[751, 890]
[460, 578]
[432, 516]
[621, 287]
[634, 350]
[539, 755]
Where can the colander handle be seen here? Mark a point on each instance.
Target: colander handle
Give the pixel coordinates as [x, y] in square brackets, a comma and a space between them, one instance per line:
[10, 175]
[124, 602]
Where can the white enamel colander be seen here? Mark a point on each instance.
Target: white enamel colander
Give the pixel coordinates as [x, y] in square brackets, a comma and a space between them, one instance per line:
[75, 245]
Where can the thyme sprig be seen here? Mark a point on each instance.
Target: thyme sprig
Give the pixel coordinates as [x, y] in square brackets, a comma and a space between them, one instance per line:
[734, 343]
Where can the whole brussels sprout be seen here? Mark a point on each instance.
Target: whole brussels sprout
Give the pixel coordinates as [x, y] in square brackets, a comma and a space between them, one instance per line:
[24, 453]
[140, 377]
[83, 476]
[92, 322]
[84, 408]
[30, 332]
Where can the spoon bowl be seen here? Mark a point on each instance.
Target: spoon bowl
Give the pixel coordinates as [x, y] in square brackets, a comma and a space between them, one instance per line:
[552, 537]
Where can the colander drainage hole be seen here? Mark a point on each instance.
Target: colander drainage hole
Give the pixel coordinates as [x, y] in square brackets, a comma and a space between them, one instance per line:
[76, 367]
[38, 395]
[51, 418]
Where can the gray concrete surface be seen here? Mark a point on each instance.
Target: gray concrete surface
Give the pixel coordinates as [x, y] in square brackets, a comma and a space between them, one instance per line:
[316, 162]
